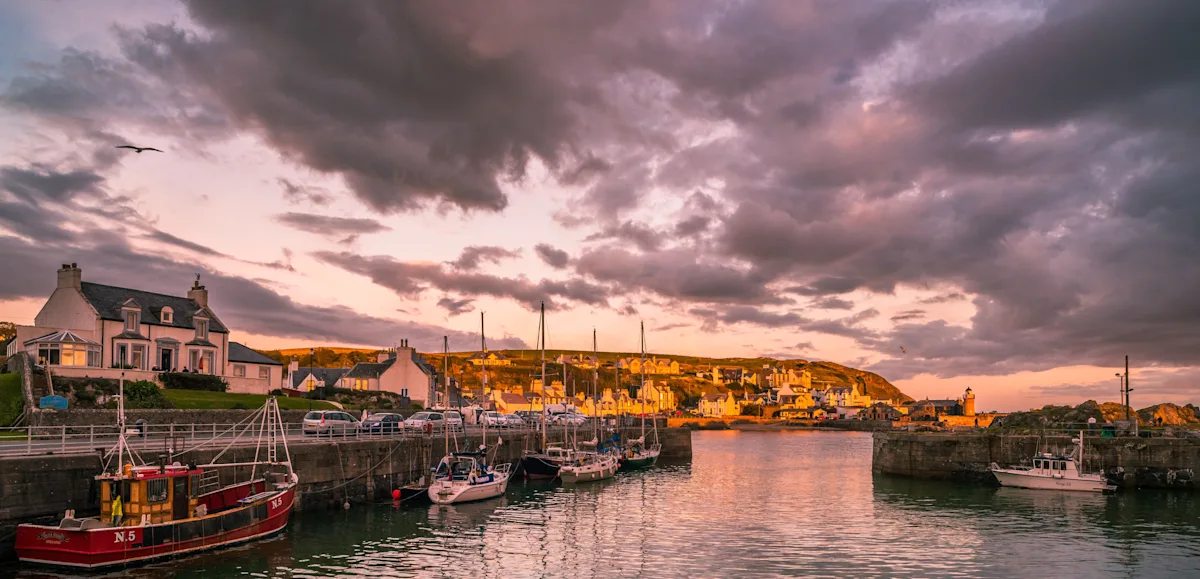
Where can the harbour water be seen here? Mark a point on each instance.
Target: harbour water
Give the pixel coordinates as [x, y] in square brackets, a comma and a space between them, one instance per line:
[749, 504]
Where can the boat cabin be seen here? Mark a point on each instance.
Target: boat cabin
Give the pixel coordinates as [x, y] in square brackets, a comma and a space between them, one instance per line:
[1048, 465]
[161, 493]
[463, 466]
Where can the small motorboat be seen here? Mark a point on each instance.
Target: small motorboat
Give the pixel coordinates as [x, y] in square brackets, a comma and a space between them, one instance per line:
[1054, 472]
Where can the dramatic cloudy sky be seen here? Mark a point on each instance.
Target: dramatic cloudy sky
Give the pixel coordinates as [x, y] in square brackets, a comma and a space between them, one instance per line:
[995, 194]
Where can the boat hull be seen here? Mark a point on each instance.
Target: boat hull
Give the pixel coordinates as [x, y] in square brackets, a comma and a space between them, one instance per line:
[589, 472]
[537, 466]
[638, 460]
[114, 546]
[1018, 479]
[451, 493]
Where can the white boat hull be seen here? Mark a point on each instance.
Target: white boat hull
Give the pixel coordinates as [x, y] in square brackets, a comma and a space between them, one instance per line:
[449, 493]
[1025, 480]
[598, 470]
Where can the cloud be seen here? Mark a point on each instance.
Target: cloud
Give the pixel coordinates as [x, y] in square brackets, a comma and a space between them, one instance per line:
[453, 306]
[944, 298]
[833, 303]
[555, 258]
[473, 255]
[328, 226]
[167, 238]
[410, 280]
[640, 235]
[908, 315]
[675, 274]
[296, 193]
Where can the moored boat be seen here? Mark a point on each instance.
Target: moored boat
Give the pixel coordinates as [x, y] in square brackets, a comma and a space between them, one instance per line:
[1054, 472]
[463, 477]
[152, 512]
[636, 454]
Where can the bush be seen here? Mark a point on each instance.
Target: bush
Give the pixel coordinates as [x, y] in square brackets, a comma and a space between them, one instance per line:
[277, 392]
[188, 381]
[145, 394]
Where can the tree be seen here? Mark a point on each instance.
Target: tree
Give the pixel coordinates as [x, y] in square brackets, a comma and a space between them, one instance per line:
[7, 330]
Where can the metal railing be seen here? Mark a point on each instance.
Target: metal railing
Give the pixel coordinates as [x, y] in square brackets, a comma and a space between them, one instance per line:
[177, 438]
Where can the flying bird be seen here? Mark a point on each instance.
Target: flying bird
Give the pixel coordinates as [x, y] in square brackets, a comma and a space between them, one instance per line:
[138, 149]
[902, 350]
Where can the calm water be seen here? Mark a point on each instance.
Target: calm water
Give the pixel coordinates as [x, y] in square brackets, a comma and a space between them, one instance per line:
[749, 504]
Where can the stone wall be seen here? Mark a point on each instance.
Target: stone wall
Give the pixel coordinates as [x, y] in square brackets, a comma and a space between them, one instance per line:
[36, 488]
[1128, 462]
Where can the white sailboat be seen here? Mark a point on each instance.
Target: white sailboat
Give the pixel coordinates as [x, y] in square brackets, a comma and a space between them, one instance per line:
[462, 477]
[637, 454]
[597, 464]
[1052, 472]
[544, 463]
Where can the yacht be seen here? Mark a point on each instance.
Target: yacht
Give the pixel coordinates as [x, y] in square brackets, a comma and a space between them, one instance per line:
[462, 477]
[1054, 472]
[596, 464]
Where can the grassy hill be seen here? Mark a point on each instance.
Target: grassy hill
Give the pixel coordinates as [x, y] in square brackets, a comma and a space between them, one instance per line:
[526, 367]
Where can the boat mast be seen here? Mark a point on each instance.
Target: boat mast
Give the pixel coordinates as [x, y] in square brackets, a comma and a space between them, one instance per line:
[483, 370]
[642, 390]
[542, 339]
[595, 390]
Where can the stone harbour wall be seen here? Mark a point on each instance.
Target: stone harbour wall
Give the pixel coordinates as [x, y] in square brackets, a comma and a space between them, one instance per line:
[1164, 463]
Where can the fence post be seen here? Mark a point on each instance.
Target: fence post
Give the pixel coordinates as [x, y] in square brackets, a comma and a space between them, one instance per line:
[64, 438]
[91, 435]
[29, 439]
[193, 435]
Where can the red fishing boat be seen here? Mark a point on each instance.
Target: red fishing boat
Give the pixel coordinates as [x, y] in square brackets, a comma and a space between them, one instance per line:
[150, 512]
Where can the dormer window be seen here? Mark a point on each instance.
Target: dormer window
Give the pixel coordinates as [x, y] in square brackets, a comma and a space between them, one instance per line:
[167, 316]
[201, 329]
[132, 320]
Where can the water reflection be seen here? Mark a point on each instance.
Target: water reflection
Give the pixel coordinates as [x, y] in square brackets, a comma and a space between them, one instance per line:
[764, 504]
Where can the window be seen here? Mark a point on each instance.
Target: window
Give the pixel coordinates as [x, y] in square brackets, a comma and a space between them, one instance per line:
[201, 329]
[193, 359]
[264, 373]
[49, 354]
[137, 357]
[239, 370]
[122, 354]
[167, 316]
[131, 320]
[404, 391]
[193, 486]
[156, 490]
[206, 362]
[360, 384]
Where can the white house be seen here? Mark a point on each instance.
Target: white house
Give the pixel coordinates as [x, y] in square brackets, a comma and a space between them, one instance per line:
[103, 331]
[246, 363]
[400, 370]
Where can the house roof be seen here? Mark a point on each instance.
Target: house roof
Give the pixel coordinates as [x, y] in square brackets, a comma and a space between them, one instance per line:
[496, 355]
[510, 398]
[240, 353]
[108, 301]
[936, 403]
[329, 375]
[425, 367]
[61, 337]
[713, 397]
[369, 369]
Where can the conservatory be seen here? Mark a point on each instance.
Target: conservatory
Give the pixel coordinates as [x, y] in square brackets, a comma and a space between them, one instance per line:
[64, 348]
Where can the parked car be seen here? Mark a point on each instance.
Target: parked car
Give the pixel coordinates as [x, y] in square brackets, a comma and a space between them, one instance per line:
[382, 423]
[454, 420]
[570, 419]
[515, 421]
[493, 419]
[422, 421]
[329, 422]
[531, 417]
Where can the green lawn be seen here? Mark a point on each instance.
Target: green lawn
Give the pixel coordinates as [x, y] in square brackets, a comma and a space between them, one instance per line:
[11, 398]
[200, 399]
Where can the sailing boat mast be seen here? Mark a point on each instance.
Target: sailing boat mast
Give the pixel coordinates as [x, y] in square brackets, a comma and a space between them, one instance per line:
[446, 379]
[642, 390]
[595, 389]
[542, 339]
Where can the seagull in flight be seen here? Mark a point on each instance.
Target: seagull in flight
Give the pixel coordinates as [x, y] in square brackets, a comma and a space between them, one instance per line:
[138, 149]
[902, 350]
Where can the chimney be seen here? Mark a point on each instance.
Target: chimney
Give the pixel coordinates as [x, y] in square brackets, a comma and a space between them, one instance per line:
[293, 366]
[383, 356]
[198, 293]
[70, 276]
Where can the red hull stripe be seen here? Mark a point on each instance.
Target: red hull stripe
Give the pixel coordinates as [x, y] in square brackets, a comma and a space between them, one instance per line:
[122, 545]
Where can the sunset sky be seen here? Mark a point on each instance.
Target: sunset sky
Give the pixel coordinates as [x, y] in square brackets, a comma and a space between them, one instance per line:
[1000, 195]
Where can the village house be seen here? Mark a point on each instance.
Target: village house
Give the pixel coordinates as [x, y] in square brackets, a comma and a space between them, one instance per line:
[245, 362]
[509, 403]
[658, 397]
[654, 365]
[934, 409]
[399, 371]
[719, 405]
[490, 359]
[585, 361]
[778, 378]
[879, 411]
[847, 396]
[102, 331]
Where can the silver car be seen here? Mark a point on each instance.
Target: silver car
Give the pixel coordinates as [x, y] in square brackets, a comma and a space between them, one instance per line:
[425, 421]
[454, 420]
[514, 421]
[329, 422]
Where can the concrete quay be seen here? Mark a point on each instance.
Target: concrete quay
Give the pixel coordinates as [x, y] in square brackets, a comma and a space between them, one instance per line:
[40, 488]
[1158, 463]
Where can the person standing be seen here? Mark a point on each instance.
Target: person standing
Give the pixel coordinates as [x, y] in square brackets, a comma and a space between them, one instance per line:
[118, 511]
